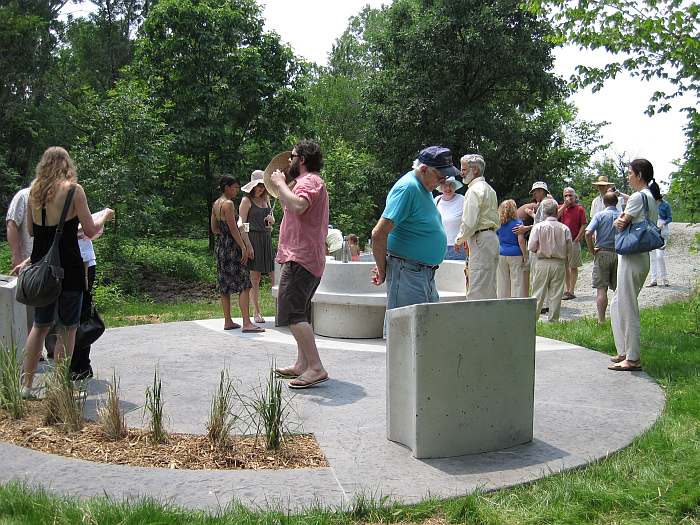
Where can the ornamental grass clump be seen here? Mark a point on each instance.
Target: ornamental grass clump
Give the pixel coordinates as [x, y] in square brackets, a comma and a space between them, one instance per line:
[221, 418]
[110, 415]
[270, 409]
[10, 382]
[154, 408]
[63, 404]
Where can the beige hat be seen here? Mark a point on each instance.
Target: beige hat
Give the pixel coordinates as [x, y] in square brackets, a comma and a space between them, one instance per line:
[279, 162]
[602, 180]
[255, 178]
[539, 185]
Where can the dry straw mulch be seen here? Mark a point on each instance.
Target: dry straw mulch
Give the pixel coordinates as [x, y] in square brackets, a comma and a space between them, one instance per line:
[182, 451]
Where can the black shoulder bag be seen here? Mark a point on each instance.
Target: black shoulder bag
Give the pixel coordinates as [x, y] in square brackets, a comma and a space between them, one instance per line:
[40, 283]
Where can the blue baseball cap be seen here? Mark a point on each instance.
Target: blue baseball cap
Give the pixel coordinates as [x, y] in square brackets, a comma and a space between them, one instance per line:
[439, 158]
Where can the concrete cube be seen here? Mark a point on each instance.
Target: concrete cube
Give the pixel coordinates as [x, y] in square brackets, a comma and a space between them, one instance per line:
[461, 376]
[13, 315]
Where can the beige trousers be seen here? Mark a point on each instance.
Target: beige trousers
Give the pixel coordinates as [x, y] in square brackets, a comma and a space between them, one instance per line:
[548, 281]
[483, 265]
[509, 281]
[632, 271]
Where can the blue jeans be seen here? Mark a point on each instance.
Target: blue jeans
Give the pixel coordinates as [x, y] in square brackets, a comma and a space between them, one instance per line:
[453, 255]
[409, 282]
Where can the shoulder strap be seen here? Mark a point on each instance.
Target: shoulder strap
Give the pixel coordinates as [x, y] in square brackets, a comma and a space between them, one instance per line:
[646, 205]
[438, 200]
[66, 205]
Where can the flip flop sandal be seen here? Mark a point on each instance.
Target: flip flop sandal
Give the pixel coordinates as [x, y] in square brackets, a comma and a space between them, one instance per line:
[307, 384]
[234, 327]
[282, 373]
[259, 319]
[618, 368]
[256, 330]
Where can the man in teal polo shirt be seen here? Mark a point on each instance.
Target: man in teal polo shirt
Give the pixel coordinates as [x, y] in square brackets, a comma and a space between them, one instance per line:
[409, 240]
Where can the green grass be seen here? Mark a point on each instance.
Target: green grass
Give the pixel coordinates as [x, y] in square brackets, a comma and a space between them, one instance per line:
[656, 480]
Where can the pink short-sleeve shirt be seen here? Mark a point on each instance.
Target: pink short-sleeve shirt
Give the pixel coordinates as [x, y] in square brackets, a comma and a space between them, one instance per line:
[303, 236]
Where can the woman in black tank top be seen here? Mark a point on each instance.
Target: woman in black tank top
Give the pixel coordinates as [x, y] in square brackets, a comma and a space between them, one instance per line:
[55, 175]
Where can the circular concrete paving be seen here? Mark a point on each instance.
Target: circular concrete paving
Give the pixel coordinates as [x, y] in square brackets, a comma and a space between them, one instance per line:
[577, 420]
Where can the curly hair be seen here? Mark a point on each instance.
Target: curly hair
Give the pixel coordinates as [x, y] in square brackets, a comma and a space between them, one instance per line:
[507, 211]
[54, 167]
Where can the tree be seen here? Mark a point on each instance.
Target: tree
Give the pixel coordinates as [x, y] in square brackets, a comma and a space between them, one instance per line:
[467, 75]
[650, 38]
[221, 80]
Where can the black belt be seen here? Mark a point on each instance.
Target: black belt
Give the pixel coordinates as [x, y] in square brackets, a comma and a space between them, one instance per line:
[417, 263]
[485, 230]
[605, 249]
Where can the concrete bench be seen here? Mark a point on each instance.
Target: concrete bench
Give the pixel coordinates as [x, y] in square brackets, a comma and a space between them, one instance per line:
[461, 376]
[347, 304]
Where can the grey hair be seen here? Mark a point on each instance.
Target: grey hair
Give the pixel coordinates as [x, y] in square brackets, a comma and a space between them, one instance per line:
[474, 159]
[549, 207]
[569, 188]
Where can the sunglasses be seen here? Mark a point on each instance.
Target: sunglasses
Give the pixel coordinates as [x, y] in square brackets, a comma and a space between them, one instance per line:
[292, 156]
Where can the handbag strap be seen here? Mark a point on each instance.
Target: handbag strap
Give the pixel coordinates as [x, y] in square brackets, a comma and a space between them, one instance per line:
[66, 205]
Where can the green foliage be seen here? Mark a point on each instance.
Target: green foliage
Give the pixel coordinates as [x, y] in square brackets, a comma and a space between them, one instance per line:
[356, 187]
[467, 75]
[110, 413]
[221, 420]
[154, 408]
[63, 406]
[121, 170]
[654, 39]
[221, 80]
[10, 384]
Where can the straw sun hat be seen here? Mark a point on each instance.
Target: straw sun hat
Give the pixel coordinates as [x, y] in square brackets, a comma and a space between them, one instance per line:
[278, 162]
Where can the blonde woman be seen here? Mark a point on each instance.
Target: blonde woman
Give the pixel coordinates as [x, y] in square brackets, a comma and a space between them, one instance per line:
[513, 254]
[55, 175]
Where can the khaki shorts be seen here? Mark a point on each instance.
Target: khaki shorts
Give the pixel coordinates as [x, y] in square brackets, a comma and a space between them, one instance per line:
[605, 270]
[575, 255]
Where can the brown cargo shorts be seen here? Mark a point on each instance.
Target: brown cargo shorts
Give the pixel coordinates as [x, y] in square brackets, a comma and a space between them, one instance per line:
[297, 287]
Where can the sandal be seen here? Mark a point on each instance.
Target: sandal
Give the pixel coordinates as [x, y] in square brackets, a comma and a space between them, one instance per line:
[258, 318]
[618, 358]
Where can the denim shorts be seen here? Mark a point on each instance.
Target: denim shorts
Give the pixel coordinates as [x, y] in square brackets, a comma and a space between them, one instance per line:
[65, 311]
[409, 282]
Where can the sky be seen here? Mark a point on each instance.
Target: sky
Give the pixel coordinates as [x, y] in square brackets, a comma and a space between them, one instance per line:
[311, 27]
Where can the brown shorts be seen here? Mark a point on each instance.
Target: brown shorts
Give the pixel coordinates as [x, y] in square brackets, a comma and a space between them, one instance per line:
[297, 287]
[605, 270]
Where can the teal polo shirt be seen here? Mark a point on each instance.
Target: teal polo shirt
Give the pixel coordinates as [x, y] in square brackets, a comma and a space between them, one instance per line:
[418, 233]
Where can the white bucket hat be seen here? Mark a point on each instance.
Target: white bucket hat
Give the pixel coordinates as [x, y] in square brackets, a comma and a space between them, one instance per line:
[255, 178]
[455, 183]
[539, 185]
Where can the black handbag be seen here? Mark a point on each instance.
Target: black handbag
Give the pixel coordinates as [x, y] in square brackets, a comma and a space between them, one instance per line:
[90, 329]
[40, 283]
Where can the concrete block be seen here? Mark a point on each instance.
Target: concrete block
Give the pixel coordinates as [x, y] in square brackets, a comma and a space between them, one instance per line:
[460, 376]
[13, 315]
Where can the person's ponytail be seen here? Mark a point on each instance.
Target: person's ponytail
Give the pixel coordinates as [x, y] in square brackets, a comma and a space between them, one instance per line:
[655, 190]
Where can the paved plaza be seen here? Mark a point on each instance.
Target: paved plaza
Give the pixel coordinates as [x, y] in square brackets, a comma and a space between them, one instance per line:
[578, 418]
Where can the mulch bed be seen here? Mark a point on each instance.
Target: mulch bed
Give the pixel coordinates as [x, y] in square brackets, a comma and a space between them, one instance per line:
[182, 451]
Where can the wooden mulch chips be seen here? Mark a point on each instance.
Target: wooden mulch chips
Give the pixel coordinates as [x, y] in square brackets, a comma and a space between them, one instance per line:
[182, 451]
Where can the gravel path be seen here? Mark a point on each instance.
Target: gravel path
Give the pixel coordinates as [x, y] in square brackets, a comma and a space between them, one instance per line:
[683, 274]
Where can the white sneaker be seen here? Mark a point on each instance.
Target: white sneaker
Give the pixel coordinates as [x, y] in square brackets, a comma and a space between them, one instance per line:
[666, 282]
[27, 394]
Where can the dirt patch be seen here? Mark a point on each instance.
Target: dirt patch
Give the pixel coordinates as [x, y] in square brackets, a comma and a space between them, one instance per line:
[183, 451]
[164, 289]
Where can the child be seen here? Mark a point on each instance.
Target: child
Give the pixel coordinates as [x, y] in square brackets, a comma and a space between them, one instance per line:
[354, 243]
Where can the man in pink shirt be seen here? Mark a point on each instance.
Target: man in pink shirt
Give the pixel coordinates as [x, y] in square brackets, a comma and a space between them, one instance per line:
[302, 253]
[573, 215]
